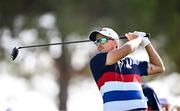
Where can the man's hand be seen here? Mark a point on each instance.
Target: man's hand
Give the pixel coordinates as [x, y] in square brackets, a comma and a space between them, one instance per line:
[129, 47]
[131, 35]
[145, 40]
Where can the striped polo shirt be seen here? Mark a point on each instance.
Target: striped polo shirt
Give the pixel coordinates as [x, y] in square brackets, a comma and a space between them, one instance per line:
[120, 83]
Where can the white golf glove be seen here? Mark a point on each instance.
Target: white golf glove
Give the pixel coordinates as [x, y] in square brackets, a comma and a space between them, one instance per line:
[145, 40]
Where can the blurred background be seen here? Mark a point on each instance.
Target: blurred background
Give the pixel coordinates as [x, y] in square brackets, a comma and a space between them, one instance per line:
[58, 78]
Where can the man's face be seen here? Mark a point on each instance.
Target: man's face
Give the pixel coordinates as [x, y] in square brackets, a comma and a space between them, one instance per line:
[105, 44]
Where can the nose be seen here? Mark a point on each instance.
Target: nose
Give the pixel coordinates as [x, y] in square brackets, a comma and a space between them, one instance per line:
[98, 44]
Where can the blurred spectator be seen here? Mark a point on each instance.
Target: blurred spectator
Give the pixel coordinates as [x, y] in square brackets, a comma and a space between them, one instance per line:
[165, 104]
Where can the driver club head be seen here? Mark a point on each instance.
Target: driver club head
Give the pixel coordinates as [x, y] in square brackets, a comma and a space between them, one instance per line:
[14, 53]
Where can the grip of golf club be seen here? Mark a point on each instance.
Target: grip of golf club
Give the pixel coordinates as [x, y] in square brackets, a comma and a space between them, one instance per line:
[124, 37]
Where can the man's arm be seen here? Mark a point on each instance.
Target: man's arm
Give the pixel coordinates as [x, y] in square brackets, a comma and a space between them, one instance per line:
[156, 64]
[127, 48]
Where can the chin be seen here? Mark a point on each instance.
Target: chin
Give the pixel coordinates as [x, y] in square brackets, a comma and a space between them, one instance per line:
[101, 50]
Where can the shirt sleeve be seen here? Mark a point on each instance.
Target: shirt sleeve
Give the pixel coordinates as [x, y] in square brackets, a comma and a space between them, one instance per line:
[138, 67]
[97, 64]
[142, 67]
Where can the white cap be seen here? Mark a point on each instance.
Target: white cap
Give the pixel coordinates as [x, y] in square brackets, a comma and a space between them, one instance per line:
[104, 31]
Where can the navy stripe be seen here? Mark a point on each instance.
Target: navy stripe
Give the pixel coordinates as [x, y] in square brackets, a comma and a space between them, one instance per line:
[121, 95]
[97, 65]
[128, 66]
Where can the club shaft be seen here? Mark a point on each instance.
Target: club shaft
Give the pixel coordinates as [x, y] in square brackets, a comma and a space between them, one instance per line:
[43, 45]
[60, 43]
[70, 42]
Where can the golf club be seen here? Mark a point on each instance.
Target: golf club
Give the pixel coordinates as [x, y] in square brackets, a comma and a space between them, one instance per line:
[15, 50]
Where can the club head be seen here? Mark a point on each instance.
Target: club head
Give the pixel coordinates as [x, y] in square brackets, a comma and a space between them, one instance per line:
[14, 53]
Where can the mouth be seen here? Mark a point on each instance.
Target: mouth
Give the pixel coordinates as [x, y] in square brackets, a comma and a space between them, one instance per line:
[101, 49]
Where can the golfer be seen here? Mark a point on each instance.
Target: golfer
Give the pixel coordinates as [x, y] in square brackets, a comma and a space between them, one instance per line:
[118, 77]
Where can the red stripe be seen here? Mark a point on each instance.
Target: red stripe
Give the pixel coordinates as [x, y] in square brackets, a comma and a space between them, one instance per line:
[113, 76]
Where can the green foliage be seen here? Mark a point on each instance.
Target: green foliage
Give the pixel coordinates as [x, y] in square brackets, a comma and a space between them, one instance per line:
[156, 16]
